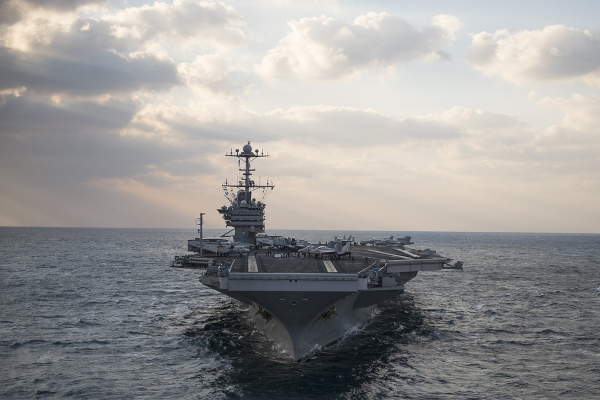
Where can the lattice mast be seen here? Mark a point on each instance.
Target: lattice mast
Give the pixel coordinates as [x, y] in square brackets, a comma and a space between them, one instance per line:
[245, 214]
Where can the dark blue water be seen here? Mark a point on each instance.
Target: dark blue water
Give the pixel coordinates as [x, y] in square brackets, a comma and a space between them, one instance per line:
[97, 313]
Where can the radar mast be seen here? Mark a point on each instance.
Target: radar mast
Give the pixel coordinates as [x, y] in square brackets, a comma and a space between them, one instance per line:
[245, 214]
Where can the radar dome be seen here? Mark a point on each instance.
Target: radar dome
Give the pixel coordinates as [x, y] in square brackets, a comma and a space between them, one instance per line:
[247, 148]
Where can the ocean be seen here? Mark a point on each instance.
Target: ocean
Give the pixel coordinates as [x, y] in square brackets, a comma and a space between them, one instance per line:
[99, 313]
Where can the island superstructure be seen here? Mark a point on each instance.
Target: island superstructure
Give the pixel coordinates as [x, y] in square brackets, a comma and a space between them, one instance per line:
[301, 296]
[244, 213]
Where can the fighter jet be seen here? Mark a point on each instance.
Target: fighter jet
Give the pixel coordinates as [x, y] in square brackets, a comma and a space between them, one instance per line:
[337, 248]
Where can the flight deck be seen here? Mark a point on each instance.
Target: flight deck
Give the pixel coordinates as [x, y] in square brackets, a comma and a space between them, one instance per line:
[277, 261]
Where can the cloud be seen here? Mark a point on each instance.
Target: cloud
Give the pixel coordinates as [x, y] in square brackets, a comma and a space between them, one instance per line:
[213, 118]
[215, 74]
[320, 147]
[504, 148]
[344, 127]
[81, 59]
[12, 11]
[122, 52]
[478, 133]
[228, 119]
[572, 146]
[52, 156]
[63, 5]
[581, 112]
[91, 72]
[184, 22]
[325, 48]
[555, 53]
[23, 114]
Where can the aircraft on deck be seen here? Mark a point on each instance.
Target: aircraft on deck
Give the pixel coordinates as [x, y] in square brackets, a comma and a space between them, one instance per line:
[218, 245]
[337, 247]
[387, 241]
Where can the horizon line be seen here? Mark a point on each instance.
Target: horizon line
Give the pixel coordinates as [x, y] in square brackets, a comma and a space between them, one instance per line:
[298, 229]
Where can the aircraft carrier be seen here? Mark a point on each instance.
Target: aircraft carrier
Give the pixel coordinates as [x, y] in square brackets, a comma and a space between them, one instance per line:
[301, 296]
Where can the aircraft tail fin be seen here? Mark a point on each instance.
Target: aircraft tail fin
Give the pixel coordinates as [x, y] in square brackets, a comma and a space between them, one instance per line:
[343, 250]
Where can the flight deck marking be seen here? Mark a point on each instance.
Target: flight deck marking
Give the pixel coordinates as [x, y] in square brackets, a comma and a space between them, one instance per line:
[411, 254]
[329, 266]
[404, 253]
[252, 265]
[381, 252]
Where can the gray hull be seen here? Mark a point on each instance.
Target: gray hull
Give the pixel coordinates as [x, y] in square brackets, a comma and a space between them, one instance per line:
[300, 331]
[302, 312]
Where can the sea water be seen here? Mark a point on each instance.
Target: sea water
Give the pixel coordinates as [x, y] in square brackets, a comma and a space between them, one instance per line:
[98, 313]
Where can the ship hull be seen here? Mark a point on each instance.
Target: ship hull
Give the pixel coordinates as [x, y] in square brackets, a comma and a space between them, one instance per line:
[302, 313]
[299, 337]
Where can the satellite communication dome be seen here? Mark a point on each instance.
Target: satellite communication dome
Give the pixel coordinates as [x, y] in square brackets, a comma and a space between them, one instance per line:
[247, 148]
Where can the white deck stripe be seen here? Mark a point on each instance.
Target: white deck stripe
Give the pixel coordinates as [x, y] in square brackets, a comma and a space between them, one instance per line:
[252, 265]
[387, 254]
[329, 266]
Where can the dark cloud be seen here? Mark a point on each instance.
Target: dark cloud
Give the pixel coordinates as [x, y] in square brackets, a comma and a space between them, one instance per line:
[109, 55]
[65, 102]
[25, 115]
[98, 73]
[64, 148]
[10, 12]
[62, 5]
[80, 65]
[13, 11]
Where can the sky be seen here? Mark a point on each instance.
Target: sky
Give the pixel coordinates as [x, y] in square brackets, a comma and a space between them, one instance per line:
[379, 115]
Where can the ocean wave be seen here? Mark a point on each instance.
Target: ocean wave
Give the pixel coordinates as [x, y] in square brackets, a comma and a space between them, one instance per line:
[32, 342]
[588, 353]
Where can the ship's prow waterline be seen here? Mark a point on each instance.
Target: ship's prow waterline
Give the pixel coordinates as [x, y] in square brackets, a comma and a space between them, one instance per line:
[301, 296]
